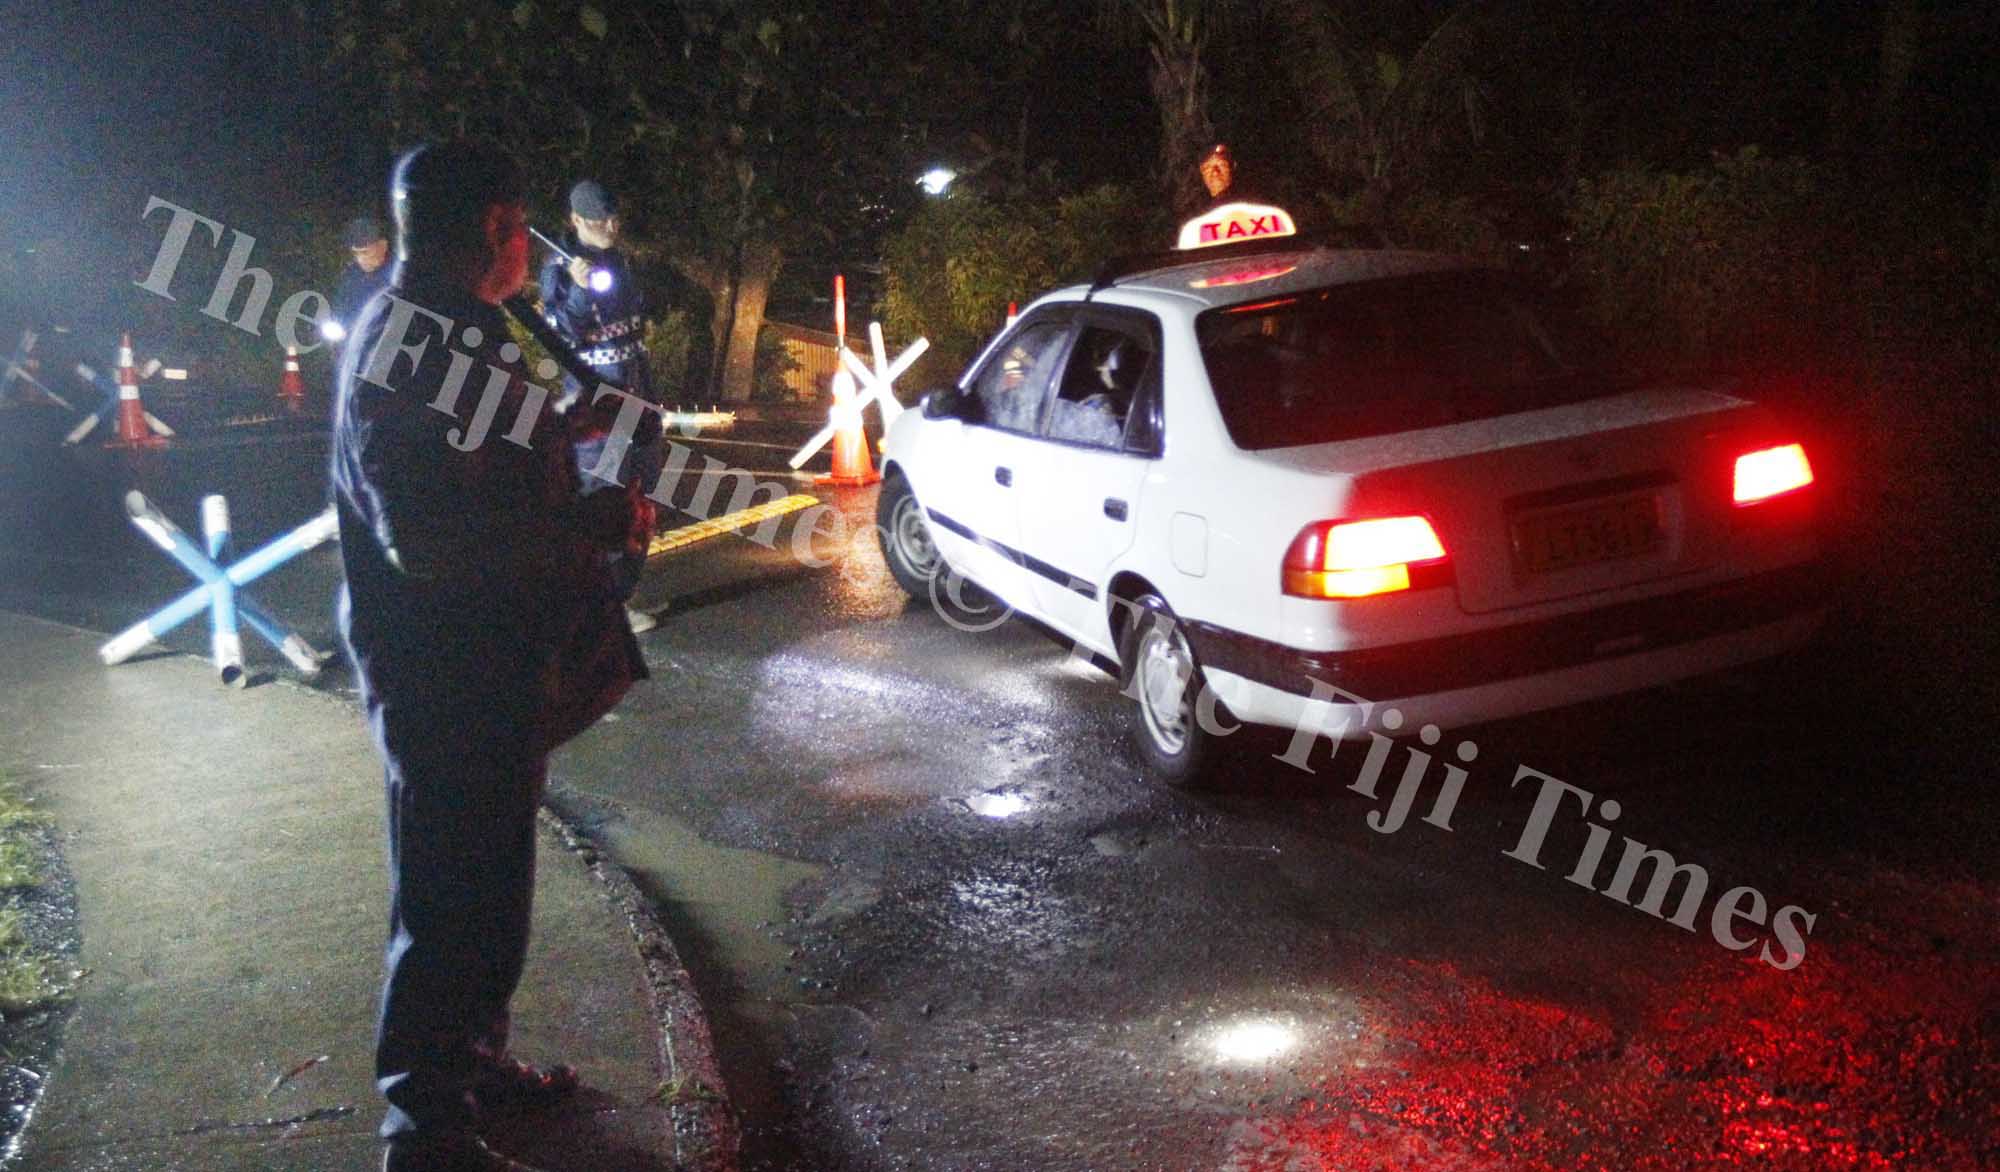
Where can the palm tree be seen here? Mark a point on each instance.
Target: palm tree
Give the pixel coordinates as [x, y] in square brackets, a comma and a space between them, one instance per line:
[1177, 34]
[1373, 118]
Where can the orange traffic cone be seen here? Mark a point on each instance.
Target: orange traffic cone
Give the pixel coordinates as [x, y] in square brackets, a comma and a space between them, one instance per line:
[292, 388]
[851, 465]
[135, 427]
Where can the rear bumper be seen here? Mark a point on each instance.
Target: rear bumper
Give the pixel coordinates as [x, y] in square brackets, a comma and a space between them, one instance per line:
[1611, 649]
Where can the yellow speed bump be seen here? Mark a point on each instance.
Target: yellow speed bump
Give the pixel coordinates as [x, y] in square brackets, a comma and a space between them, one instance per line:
[688, 535]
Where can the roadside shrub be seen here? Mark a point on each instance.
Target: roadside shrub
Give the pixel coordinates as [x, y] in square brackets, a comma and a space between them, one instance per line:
[669, 342]
[1745, 259]
[774, 362]
[950, 273]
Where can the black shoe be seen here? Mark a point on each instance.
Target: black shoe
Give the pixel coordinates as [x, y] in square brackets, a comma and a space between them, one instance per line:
[512, 1085]
[451, 1151]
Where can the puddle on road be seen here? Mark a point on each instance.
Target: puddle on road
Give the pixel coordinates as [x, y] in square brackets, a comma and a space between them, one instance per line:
[724, 908]
[714, 894]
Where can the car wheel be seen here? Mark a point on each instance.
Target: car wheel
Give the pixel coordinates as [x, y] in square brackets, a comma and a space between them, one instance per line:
[918, 567]
[1164, 680]
[906, 538]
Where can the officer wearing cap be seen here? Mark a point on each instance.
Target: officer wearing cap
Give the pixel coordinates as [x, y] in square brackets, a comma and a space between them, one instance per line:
[362, 277]
[481, 616]
[604, 321]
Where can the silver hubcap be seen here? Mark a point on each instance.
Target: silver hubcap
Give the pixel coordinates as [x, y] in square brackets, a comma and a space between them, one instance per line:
[1165, 666]
[913, 538]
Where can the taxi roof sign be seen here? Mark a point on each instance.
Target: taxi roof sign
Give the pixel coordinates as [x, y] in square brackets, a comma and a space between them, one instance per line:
[1236, 221]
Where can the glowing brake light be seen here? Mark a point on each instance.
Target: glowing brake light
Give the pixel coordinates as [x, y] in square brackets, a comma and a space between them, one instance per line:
[1771, 472]
[1356, 559]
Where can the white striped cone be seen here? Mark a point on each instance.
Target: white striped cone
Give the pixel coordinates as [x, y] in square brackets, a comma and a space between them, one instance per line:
[292, 387]
[135, 427]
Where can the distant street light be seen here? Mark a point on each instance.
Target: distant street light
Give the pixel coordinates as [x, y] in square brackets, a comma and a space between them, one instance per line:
[936, 180]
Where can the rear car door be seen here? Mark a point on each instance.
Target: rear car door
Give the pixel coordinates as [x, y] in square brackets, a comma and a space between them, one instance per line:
[1079, 498]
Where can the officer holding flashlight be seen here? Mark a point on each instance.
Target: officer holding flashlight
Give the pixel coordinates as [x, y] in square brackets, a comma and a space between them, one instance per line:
[362, 277]
[590, 298]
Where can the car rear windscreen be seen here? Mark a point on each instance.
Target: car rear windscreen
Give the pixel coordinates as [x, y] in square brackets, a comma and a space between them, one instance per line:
[1374, 357]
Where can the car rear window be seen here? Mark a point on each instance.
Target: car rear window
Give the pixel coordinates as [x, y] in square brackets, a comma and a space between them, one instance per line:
[1374, 357]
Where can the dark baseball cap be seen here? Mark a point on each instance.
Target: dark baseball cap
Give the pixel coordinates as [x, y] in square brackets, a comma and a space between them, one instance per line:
[590, 200]
[362, 231]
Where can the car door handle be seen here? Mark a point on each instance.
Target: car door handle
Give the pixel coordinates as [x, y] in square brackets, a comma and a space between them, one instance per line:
[1114, 508]
[1003, 476]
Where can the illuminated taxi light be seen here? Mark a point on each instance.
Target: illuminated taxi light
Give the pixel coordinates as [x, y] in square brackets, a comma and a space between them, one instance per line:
[1253, 1041]
[1358, 559]
[1771, 472]
[1236, 221]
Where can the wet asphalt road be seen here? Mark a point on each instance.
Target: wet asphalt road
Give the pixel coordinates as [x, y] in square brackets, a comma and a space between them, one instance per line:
[942, 921]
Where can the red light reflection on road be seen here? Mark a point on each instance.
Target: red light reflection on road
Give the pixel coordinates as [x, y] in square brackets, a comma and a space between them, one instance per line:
[1865, 1058]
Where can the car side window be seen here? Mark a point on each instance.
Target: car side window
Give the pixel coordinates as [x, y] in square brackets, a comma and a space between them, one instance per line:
[1107, 398]
[1011, 385]
[1145, 427]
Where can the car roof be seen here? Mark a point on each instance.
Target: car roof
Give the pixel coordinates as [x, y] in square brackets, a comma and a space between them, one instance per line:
[1238, 276]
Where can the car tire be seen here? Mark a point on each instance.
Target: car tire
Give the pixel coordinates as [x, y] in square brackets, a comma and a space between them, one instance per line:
[917, 566]
[1164, 680]
[905, 534]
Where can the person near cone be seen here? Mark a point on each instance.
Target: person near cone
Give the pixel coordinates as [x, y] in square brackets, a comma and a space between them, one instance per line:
[364, 275]
[604, 321]
[481, 614]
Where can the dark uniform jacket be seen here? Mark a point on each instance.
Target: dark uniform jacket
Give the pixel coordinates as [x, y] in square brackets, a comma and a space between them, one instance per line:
[354, 290]
[608, 329]
[470, 589]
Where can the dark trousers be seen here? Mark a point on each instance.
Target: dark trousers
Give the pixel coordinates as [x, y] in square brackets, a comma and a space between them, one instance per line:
[462, 793]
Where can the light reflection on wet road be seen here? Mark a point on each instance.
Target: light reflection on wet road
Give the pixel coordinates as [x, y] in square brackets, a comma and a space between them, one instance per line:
[1020, 953]
[944, 922]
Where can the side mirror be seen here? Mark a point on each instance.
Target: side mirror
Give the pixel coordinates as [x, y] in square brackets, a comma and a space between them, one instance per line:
[943, 403]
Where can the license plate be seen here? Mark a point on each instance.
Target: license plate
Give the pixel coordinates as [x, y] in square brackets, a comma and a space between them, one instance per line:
[1575, 535]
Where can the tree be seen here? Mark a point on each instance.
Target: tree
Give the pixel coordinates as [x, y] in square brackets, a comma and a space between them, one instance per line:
[744, 127]
[1375, 118]
[955, 265]
[1176, 34]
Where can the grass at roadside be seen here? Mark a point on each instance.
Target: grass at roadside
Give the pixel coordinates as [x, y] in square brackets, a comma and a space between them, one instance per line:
[30, 978]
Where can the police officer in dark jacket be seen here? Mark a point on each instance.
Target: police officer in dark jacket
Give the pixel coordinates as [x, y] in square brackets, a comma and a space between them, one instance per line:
[362, 277]
[595, 305]
[480, 612]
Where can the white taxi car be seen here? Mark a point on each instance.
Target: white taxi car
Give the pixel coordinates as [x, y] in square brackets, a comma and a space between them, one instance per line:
[1301, 487]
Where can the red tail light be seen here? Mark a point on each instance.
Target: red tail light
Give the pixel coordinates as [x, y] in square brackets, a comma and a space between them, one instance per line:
[1355, 559]
[1771, 472]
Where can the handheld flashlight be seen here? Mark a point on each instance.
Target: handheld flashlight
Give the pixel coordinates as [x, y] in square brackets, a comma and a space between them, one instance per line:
[600, 279]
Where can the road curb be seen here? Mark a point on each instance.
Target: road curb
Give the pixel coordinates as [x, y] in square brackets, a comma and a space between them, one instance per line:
[707, 1133]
